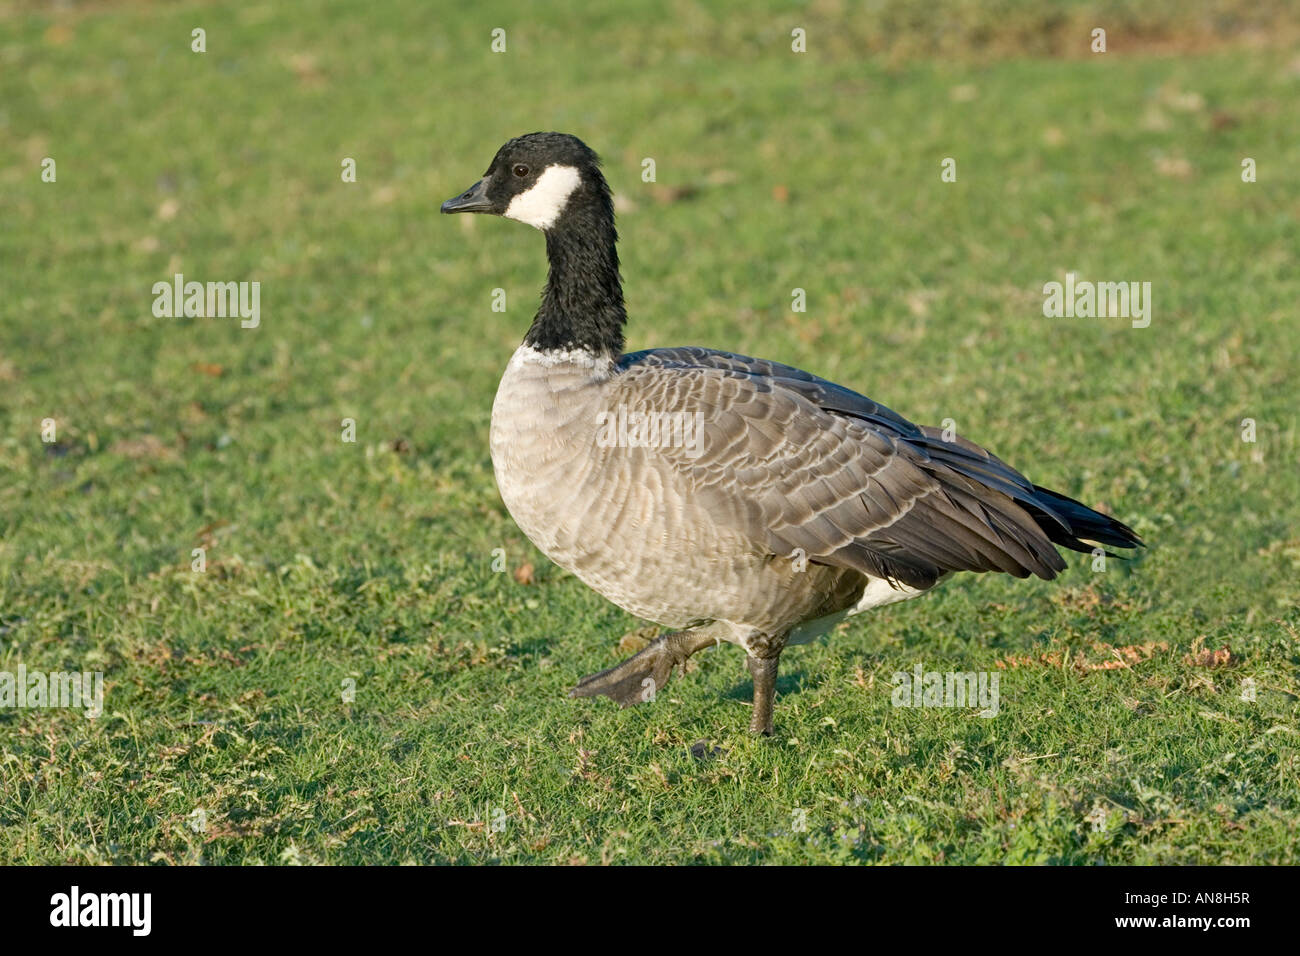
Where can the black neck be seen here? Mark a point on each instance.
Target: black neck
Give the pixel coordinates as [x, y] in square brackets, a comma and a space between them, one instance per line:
[582, 305]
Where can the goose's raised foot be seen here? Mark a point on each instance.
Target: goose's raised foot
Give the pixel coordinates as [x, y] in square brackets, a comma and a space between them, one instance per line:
[643, 675]
[638, 679]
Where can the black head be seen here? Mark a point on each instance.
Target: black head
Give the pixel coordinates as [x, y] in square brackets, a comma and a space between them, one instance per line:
[553, 181]
[537, 179]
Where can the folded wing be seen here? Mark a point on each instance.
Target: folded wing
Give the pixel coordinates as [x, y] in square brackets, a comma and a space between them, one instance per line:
[800, 464]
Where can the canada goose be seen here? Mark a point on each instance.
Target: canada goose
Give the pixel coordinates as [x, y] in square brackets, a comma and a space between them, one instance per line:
[793, 503]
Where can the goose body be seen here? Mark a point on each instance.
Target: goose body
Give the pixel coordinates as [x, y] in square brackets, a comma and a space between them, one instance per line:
[765, 504]
[637, 524]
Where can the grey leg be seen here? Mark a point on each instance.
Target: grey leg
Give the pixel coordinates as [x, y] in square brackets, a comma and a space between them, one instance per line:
[763, 670]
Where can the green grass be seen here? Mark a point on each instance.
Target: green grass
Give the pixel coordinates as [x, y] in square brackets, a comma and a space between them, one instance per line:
[374, 561]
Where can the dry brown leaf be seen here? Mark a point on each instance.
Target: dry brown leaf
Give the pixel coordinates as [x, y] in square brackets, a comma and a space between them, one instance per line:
[671, 194]
[637, 640]
[146, 446]
[1211, 658]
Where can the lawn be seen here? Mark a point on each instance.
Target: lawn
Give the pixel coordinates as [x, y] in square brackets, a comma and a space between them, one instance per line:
[371, 666]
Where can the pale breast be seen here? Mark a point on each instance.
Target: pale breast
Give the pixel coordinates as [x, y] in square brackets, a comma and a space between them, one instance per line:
[618, 517]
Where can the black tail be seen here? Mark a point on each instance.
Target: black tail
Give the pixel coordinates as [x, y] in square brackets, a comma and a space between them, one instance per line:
[1071, 523]
[1062, 520]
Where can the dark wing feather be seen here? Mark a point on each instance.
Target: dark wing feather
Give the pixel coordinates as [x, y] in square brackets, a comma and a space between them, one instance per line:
[798, 462]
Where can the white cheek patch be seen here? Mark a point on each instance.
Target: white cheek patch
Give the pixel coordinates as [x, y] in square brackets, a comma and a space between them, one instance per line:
[544, 202]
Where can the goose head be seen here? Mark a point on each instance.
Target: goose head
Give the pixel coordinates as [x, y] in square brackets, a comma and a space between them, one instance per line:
[542, 179]
[552, 181]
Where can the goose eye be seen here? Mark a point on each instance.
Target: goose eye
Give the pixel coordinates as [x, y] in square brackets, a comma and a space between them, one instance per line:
[520, 170]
